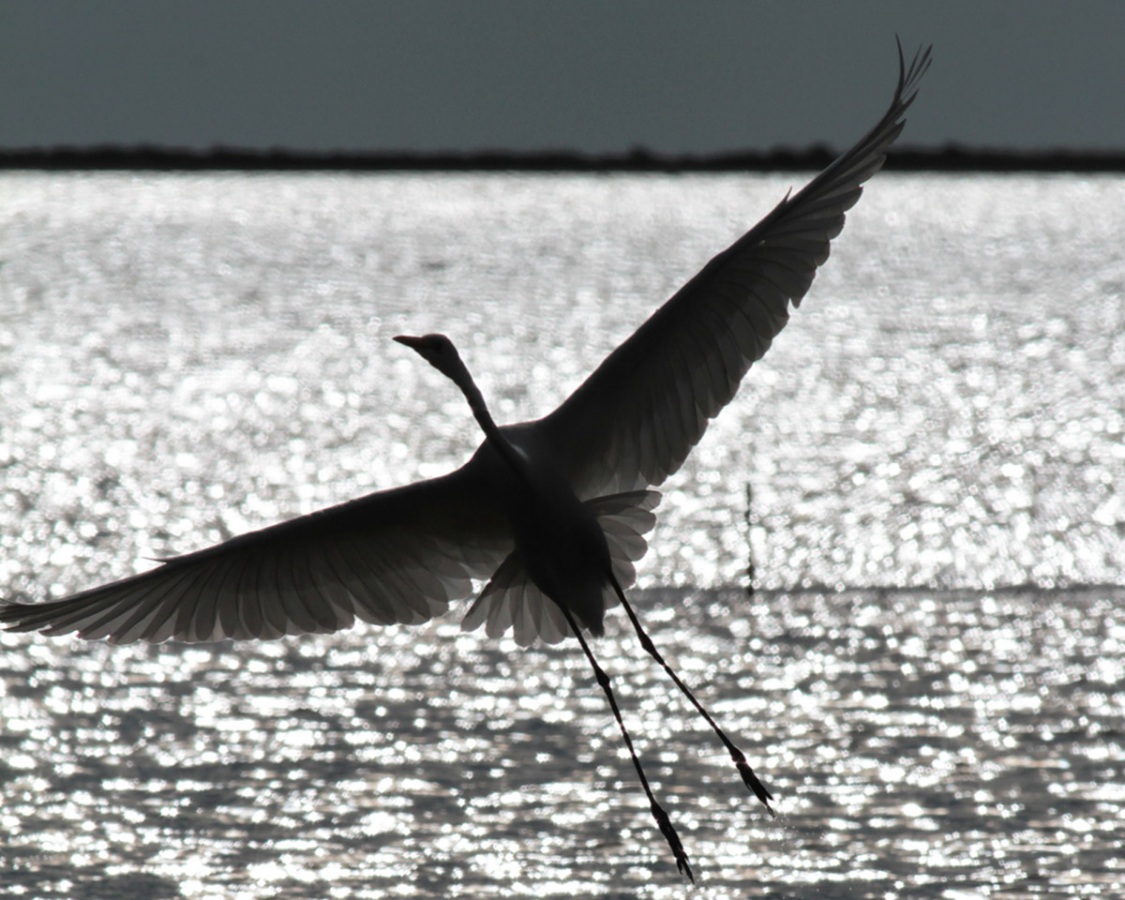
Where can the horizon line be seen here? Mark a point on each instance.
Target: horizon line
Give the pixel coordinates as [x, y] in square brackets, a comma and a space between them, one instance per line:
[952, 158]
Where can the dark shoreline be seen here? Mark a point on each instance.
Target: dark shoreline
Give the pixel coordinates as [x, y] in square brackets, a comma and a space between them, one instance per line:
[951, 159]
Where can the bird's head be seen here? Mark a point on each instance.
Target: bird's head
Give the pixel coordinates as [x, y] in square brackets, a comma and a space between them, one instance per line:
[439, 352]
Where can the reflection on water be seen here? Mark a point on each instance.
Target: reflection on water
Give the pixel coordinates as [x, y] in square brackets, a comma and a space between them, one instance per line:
[186, 357]
[916, 742]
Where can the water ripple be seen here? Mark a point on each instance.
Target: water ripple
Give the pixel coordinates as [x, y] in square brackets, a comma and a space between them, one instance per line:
[186, 357]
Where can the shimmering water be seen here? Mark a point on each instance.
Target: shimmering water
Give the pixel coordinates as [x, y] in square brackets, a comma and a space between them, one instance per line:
[927, 474]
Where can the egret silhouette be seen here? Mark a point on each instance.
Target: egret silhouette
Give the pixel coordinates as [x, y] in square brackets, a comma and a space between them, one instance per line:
[552, 512]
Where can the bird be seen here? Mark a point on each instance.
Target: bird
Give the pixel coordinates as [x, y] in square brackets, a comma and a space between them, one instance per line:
[550, 514]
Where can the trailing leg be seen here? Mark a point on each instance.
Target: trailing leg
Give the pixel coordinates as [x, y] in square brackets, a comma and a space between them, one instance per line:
[748, 777]
[658, 812]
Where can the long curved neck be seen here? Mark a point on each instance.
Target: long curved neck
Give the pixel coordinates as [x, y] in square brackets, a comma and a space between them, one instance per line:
[491, 431]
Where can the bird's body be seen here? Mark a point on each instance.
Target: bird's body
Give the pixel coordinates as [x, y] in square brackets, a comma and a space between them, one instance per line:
[558, 543]
[552, 513]
[563, 549]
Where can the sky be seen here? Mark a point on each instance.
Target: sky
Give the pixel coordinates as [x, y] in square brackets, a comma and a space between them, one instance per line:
[668, 76]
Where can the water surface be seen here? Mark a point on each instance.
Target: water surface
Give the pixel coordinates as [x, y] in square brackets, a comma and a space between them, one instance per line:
[926, 474]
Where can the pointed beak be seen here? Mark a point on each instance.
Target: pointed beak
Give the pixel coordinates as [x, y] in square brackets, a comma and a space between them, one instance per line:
[412, 342]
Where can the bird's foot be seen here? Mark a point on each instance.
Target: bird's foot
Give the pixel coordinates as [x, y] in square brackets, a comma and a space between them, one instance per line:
[752, 783]
[673, 839]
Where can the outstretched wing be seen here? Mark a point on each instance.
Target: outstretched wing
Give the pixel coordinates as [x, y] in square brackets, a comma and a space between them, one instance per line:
[397, 556]
[634, 420]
